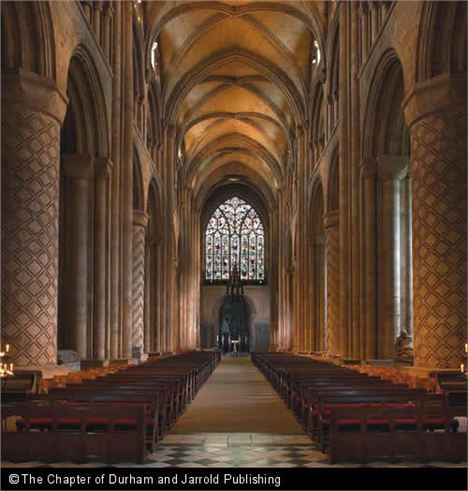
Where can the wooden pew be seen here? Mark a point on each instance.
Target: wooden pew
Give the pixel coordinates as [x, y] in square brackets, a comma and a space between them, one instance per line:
[139, 402]
[357, 398]
[19, 386]
[326, 397]
[71, 435]
[156, 424]
[403, 433]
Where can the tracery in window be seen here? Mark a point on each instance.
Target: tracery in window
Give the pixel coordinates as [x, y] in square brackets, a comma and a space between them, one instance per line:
[234, 235]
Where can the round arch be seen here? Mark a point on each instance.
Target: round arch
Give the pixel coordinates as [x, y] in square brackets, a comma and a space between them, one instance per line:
[86, 113]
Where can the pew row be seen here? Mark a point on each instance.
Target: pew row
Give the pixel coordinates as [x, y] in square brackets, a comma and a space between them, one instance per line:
[134, 407]
[81, 433]
[326, 398]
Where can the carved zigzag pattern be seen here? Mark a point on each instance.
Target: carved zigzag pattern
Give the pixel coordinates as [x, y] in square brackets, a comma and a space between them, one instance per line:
[333, 288]
[30, 185]
[138, 286]
[439, 239]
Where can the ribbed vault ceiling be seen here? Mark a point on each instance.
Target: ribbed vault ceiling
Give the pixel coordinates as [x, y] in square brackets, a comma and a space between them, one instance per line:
[235, 81]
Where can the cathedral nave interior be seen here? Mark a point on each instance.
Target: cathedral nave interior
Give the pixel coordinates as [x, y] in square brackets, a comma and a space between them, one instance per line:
[277, 187]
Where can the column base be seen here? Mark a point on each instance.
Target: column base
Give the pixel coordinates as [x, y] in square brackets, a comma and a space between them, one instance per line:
[88, 364]
[122, 362]
[350, 361]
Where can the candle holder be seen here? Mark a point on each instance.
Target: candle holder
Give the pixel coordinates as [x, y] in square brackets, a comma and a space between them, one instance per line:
[463, 367]
[6, 369]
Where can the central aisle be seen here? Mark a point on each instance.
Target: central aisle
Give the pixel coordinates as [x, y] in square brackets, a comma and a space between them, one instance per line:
[237, 398]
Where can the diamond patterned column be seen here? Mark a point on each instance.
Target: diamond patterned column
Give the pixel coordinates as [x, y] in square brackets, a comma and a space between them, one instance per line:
[331, 220]
[438, 143]
[30, 187]
[140, 222]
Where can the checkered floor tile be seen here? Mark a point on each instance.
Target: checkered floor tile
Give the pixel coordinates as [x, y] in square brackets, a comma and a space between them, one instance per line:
[234, 456]
[235, 450]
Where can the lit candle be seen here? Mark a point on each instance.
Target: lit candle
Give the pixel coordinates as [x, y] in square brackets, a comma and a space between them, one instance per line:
[462, 368]
[7, 348]
[466, 347]
[11, 367]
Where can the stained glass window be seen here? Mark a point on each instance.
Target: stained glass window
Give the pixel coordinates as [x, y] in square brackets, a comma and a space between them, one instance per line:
[234, 235]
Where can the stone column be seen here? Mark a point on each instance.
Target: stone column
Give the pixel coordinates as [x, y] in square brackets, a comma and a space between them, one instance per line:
[159, 334]
[103, 168]
[106, 35]
[363, 12]
[368, 177]
[78, 171]
[115, 185]
[96, 22]
[436, 113]
[345, 179]
[149, 317]
[390, 170]
[331, 222]
[140, 222]
[374, 22]
[407, 313]
[127, 184]
[32, 111]
[320, 292]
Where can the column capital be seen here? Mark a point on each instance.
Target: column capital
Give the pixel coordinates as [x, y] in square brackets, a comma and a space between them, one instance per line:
[392, 167]
[103, 167]
[434, 95]
[78, 166]
[140, 218]
[22, 88]
[331, 219]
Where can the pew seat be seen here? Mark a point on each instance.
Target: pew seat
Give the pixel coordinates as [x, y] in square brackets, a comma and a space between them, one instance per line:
[58, 433]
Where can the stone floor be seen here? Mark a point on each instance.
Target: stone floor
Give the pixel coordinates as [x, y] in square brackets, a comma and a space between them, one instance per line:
[237, 398]
[235, 450]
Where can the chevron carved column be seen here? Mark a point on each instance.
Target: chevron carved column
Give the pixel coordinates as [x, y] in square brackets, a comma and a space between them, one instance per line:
[140, 222]
[331, 220]
[30, 202]
[438, 154]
